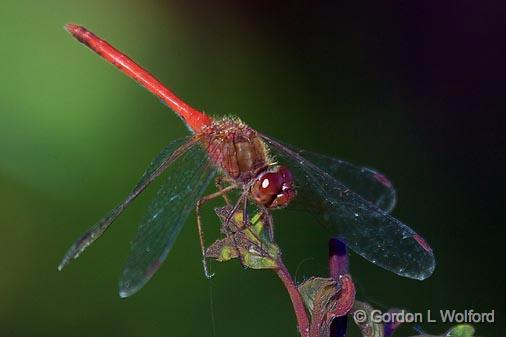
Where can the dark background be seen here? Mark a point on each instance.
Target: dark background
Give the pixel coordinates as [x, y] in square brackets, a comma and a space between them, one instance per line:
[415, 90]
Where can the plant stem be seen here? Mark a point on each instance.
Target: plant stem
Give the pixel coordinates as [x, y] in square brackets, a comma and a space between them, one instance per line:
[338, 266]
[297, 302]
[338, 258]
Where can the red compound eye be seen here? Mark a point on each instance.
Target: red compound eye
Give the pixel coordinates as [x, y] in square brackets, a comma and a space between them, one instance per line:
[274, 189]
[270, 183]
[286, 175]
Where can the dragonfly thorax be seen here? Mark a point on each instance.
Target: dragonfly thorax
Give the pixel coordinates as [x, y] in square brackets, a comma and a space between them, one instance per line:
[236, 149]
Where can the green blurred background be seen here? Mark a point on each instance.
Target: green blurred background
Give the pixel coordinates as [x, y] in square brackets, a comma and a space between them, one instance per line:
[414, 90]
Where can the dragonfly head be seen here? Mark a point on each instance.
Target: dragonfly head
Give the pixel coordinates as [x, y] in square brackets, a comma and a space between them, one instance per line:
[274, 188]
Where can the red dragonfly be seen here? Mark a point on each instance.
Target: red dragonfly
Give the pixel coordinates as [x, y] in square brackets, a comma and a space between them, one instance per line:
[353, 201]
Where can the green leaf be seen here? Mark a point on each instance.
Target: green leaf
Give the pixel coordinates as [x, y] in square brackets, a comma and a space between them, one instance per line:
[222, 250]
[312, 286]
[248, 242]
[366, 324]
[255, 261]
[326, 299]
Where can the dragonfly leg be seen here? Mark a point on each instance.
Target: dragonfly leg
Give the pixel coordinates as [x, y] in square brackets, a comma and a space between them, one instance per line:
[269, 224]
[246, 222]
[218, 182]
[245, 225]
[231, 235]
[266, 218]
[200, 203]
[245, 215]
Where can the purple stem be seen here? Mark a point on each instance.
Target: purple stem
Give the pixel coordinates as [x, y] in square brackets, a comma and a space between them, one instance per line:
[338, 265]
[389, 328]
[338, 258]
[297, 301]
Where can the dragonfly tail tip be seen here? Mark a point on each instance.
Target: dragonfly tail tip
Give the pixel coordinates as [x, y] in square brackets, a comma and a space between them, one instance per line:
[78, 32]
[71, 27]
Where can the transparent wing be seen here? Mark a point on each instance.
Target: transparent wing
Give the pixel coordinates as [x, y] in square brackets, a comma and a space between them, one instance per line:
[368, 183]
[170, 153]
[366, 229]
[186, 181]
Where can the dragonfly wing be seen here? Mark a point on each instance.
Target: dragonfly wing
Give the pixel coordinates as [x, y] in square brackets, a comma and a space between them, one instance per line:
[184, 185]
[170, 153]
[367, 229]
[368, 183]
